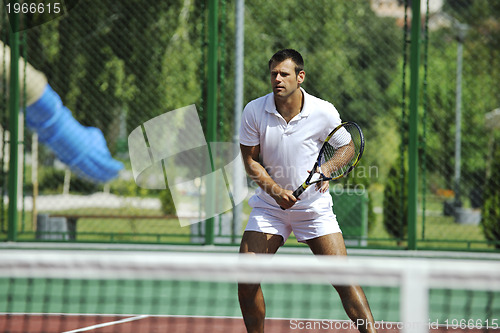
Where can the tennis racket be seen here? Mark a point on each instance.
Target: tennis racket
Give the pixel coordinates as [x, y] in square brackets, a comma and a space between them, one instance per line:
[338, 156]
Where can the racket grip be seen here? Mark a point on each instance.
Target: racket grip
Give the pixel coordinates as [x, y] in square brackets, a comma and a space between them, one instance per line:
[298, 192]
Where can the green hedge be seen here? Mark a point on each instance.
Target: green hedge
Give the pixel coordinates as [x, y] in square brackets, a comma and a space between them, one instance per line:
[491, 208]
[396, 203]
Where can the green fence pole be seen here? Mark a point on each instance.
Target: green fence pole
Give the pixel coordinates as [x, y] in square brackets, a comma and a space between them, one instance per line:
[13, 125]
[413, 139]
[212, 112]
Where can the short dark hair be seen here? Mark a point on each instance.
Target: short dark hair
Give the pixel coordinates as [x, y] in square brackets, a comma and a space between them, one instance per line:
[285, 54]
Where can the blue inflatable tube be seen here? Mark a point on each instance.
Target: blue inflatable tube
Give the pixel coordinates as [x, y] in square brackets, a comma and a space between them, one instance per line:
[83, 149]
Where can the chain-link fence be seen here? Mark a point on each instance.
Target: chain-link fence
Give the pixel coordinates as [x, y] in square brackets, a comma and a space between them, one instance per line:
[460, 184]
[117, 65]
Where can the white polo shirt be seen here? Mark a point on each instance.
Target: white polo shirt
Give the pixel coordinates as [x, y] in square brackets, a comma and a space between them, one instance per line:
[288, 151]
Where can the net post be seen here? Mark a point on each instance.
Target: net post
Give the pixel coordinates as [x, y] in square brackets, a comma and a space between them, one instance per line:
[413, 138]
[13, 125]
[414, 300]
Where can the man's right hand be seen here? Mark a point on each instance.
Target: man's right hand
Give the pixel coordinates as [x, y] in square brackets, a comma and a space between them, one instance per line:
[284, 198]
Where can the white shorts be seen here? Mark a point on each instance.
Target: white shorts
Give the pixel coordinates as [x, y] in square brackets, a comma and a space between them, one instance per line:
[305, 223]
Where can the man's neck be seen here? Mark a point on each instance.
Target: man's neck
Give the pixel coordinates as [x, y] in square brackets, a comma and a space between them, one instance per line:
[290, 106]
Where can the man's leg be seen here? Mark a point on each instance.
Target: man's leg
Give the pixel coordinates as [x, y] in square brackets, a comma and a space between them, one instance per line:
[250, 296]
[353, 298]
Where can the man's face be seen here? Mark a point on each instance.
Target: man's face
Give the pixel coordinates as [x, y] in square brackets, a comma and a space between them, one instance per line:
[284, 81]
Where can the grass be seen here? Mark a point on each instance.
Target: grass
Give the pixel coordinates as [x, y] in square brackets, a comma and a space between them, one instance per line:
[137, 230]
[433, 230]
[437, 231]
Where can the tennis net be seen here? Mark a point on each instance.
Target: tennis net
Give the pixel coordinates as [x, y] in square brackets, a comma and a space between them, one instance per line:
[119, 291]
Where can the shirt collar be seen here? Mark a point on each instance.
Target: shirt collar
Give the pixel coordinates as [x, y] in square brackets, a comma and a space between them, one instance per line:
[271, 106]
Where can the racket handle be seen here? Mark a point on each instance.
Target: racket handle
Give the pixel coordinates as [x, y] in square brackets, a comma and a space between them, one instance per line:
[299, 191]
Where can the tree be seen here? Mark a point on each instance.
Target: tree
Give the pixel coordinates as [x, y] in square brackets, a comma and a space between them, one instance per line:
[491, 208]
[396, 203]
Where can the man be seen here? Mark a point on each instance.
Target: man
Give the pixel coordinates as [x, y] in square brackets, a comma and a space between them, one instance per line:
[280, 137]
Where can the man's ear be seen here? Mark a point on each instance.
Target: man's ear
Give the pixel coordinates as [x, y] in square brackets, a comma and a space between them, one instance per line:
[301, 77]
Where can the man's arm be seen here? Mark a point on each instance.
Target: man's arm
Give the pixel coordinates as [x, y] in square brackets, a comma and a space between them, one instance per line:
[256, 171]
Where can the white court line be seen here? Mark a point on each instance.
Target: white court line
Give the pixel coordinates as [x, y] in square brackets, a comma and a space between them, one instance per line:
[378, 323]
[88, 328]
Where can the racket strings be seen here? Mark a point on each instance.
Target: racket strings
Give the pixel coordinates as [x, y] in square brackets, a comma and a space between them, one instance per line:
[341, 152]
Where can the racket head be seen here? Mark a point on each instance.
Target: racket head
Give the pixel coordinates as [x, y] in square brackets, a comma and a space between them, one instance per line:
[341, 151]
